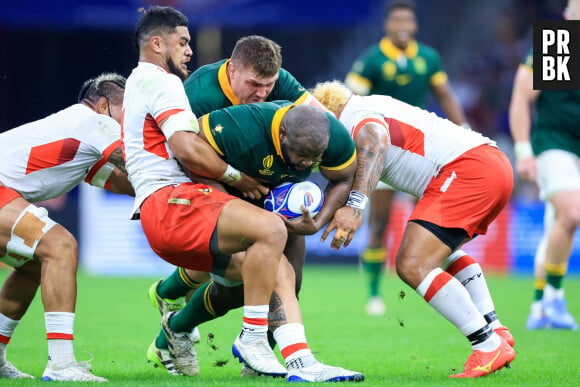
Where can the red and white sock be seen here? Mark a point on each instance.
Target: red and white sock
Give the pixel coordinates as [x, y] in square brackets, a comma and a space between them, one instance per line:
[255, 322]
[59, 333]
[467, 271]
[448, 297]
[7, 327]
[292, 342]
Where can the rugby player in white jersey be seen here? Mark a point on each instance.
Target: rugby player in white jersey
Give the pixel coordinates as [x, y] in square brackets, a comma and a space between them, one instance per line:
[462, 181]
[41, 160]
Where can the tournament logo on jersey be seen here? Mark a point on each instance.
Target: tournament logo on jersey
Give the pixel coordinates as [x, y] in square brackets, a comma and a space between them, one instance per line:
[267, 163]
[557, 55]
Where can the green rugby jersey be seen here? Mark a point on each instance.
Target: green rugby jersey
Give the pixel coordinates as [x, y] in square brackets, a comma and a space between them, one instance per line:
[209, 89]
[248, 137]
[556, 124]
[406, 75]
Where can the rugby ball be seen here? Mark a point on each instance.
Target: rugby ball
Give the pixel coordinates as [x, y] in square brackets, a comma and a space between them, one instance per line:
[288, 198]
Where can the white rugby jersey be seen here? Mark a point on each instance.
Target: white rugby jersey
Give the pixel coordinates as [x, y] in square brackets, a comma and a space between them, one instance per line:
[151, 96]
[46, 158]
[421, 142]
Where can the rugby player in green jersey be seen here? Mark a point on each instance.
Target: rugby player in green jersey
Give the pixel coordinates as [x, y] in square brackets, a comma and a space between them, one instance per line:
[548, 152]
[253, 73]
[275, 142]
[403, 68]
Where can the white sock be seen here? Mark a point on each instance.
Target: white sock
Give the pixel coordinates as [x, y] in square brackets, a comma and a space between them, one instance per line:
[468, 272]
[255, 323]
[448, 297]
[292, 342]
[59, 333]
[7, 327]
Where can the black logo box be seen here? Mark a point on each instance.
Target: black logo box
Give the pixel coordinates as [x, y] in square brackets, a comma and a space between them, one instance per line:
[573, 64]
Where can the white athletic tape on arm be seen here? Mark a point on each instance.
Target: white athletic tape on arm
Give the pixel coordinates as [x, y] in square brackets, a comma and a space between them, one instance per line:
[357, 200]
[231, 176]
[101, 177]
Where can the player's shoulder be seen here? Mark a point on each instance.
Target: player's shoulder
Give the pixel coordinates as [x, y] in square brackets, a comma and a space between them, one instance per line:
[205, 74]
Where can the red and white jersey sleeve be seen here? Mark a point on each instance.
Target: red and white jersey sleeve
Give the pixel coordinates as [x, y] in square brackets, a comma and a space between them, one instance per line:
[421, 142]
[46, 158]
[151, 96]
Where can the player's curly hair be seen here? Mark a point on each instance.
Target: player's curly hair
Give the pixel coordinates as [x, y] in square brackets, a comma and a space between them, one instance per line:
[157, 20]
[109, 85]
[258, 53]
[333, 94]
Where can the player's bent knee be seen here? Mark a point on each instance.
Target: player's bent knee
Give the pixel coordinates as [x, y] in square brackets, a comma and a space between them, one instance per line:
[274, 231]
[58, 243]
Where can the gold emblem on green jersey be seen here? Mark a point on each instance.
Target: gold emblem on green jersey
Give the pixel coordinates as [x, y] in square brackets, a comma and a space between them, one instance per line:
[267, 162]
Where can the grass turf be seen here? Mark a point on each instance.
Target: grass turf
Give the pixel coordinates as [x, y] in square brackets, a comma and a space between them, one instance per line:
[411, 346]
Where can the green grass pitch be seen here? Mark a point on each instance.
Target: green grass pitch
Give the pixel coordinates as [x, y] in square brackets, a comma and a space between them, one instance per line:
[411, 346]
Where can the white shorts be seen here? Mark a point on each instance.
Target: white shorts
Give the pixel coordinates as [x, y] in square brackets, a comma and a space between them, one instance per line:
[558, 171]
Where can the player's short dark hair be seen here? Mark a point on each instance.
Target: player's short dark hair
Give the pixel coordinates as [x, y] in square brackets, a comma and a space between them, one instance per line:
[258, 53]
[157, 20]
[307, 128]
[108, 85]
[392, 5]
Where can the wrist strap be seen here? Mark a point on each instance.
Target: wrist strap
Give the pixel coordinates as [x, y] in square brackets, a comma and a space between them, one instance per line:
[231, 176]
[523, 150]
[357, 200]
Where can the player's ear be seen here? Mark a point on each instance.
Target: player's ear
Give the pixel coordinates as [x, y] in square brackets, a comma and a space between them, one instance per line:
[156, 43]
[102, 105]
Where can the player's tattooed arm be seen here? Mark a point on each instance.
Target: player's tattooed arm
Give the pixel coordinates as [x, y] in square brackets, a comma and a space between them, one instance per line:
[116, 158]
[371, 146]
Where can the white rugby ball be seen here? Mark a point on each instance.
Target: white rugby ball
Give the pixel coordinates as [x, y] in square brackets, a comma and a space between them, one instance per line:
[288, 198]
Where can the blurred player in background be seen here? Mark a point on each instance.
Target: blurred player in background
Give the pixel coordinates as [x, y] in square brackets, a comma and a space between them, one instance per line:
[42, 160]
[462, 182]
[403, 68]
[549, 155]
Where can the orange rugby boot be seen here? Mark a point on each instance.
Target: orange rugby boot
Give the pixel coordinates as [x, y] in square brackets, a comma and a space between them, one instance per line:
[481, 363]
[505, 334]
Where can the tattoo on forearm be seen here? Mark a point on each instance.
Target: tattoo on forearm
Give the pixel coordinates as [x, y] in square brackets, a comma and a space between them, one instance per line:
[371, 155]
[277, 315]
[116, 158]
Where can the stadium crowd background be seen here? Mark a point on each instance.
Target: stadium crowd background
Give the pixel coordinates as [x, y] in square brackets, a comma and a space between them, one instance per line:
[50, 48]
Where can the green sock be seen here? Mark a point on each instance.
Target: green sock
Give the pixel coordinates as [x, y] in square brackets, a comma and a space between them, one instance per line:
[178, 284]
[554, 280]
[374, 260]
[374, 270]
[539, 285]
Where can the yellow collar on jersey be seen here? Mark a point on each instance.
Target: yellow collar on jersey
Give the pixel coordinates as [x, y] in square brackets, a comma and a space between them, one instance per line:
[276, 124]
[225, 83]
[392, 52]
